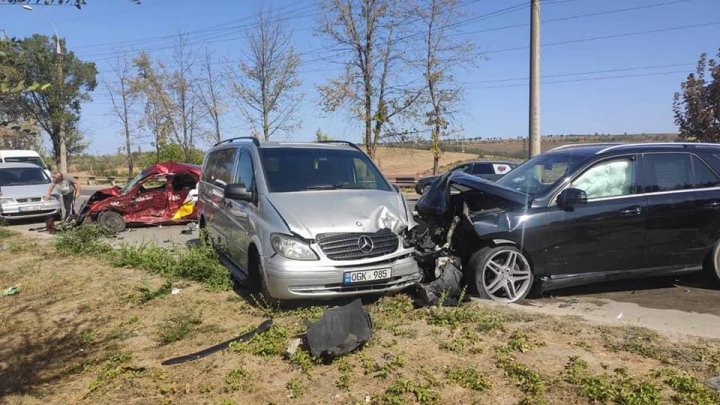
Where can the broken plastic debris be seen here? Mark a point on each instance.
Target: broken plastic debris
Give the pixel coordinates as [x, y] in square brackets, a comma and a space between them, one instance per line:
[174, 291]
[11, 291]
[713, 382]
[620, 315]
[292, 348]
[339, 331]
[448, 286]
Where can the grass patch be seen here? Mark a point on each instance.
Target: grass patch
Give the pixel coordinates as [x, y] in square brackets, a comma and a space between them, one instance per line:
[178, 326]
[238, 379]
[398, 391]
[530, 382]
[6, 233]
[619, 387]
[272, 342]
[297, 389]
[114, 366]
[468, 378]
[688, 389]
[197, 263]
[303, 361]
[146, 294]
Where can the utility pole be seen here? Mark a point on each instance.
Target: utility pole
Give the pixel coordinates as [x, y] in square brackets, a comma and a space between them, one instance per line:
[534, 124]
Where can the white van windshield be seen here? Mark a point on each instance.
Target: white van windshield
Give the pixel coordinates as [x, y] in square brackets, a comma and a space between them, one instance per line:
[26, 159]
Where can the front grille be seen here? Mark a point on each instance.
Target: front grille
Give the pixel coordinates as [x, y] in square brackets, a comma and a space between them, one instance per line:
[26, 200]
[347, 246]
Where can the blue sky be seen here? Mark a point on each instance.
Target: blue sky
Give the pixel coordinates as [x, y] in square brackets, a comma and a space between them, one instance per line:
[637, 71]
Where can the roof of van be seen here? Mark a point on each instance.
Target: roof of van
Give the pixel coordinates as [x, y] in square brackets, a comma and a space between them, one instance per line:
[18, 152]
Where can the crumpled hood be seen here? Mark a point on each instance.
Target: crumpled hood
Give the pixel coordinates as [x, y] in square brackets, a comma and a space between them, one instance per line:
[310, 213]
[436, 201]
[35, 190]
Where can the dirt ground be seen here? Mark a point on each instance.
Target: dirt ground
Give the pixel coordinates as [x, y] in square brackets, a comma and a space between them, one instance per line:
[80, 331]
[401, 162]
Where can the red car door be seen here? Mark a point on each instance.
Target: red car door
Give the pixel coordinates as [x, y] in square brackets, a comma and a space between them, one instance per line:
[149, 201]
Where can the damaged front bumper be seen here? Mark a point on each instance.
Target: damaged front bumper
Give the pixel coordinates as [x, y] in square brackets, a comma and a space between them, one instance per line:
[27, 210]
[292, 279]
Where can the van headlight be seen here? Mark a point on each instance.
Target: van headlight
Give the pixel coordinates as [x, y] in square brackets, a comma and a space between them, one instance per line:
[292, 248]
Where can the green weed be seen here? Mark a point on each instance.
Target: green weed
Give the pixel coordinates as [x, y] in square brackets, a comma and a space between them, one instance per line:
[688, 389]
[113, 367]
[178, 326]
[619, 388]
[468, 378]
[6, 233]
[302, 360]
[238, 379]
[145, 293]
[296, 388]
[272, 342]
[530, 381]
[83, 240]
[397, 392]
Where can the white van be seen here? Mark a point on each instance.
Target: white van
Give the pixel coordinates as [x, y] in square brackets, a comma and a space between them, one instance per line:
[24, 156]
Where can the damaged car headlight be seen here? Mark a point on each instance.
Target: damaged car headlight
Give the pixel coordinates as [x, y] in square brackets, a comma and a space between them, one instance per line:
[292, 248]
[7, 201]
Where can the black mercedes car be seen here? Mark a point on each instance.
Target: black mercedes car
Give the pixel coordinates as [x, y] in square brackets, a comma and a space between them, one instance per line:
[579, 214]
[488, 170]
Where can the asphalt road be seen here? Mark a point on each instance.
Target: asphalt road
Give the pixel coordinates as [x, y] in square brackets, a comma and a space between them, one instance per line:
[676, 305]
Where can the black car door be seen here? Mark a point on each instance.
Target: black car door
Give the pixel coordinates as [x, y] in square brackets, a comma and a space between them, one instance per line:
[680, 217]
[707, 202]
[606, 233]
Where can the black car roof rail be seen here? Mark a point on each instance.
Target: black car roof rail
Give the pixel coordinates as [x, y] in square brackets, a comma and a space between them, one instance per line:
[341, 142]
[251, 138]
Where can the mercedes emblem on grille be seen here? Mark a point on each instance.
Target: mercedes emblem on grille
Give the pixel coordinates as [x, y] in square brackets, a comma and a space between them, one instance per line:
[365, 244]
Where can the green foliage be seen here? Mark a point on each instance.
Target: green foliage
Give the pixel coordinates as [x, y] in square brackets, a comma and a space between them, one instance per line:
[397, 392]
[302, 360]
[178, 326]
[468, 378]
[238, 379]
[296, 388]
[619, 388]
[697, 104]
[57, 107]
[83, 240]
[272, 342]
[689, 390]
[530, 381]
[146, 294]
[6, 233]
[112, 367]
[172, 151]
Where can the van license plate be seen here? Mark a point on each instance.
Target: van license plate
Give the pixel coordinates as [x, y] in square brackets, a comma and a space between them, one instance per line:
[353, 277]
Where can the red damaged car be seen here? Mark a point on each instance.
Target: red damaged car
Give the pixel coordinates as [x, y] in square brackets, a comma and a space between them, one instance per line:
[164, 193]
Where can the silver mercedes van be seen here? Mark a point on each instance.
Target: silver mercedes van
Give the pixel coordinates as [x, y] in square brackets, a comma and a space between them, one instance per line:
[305, 220]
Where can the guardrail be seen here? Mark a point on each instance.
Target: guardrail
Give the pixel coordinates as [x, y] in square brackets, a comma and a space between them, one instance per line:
[401, 181]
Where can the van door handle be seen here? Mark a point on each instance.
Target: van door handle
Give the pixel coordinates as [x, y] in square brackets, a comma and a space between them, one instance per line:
[630, 212]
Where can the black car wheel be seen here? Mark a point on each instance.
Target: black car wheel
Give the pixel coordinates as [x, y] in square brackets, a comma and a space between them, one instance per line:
[112, 221]
[500, 273]
[712, 264]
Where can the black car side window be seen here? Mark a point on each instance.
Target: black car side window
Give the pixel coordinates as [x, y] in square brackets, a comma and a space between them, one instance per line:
[482, 168]
[704, 177]
[610, 178]
[668, 172]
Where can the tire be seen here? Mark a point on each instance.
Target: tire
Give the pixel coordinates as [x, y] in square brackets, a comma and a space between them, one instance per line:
[500, 273]
[112, 221]
[256, 283]
[712, 263]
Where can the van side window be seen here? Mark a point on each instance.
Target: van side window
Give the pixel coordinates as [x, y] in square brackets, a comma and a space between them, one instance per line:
[245, 174]
[220, 166]
[611, 178]
[668, 172]
[704, 177]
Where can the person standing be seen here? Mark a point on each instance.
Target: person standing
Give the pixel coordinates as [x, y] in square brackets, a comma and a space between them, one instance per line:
[69, 190]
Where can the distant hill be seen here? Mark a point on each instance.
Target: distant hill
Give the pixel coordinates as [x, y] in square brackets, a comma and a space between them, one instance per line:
[517, 148]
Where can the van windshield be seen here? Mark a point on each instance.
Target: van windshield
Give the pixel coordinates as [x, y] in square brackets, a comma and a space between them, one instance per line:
[22, 176]
[26, 159]
[300, 169]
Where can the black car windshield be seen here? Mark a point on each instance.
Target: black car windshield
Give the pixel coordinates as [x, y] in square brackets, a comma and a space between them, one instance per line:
[540, 174]
[300, 169]
[22, 176]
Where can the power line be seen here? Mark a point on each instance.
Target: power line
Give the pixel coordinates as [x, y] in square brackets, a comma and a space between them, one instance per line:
[590, 79]
[611, 36]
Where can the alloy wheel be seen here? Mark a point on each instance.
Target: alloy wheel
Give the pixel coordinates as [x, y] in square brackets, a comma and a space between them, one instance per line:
[506, 276]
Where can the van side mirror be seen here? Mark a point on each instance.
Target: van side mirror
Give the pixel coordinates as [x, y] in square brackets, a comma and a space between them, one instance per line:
[571, 197]
[238, 192]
